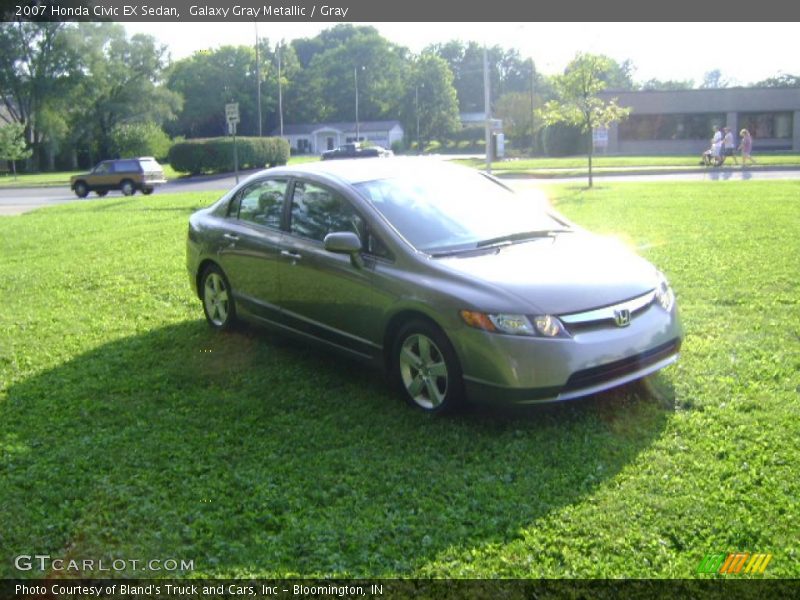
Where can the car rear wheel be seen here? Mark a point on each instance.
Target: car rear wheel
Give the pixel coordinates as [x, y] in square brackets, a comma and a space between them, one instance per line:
[81, 189]
[426, 368]
[218, 304]
[127, 187]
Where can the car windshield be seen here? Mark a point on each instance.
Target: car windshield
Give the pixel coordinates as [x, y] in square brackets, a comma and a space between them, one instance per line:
[456, 209]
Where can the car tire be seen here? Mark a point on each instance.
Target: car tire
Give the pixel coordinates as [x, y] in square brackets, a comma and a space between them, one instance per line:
[101, 193]
[127, 188]
[147, 191]
[81, 189]
[217, 297]
[425, 368]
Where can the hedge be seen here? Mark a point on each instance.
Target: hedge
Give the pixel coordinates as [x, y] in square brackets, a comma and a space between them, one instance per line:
[215, 155]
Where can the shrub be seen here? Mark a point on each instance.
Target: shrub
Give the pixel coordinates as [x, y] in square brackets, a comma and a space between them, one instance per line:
[563, 140]
[139, 139]
[215, 155]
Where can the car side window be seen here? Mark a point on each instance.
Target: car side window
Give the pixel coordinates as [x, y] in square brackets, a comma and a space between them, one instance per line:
[376, 247]
[261, 203]
[103, 168]
[318, 211]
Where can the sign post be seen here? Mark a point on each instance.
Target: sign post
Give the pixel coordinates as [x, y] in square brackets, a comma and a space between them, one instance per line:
[232, 117]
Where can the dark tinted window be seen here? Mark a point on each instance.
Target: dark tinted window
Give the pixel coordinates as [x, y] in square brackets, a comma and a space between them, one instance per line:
[126, 166]
[261, 203]
[318, 211]
[671, 127]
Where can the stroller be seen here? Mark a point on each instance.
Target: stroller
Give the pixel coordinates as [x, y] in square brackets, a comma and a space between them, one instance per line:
[713, 157]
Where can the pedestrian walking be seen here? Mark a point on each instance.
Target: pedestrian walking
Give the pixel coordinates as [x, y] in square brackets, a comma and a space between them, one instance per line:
[746, 147]
[730, 145]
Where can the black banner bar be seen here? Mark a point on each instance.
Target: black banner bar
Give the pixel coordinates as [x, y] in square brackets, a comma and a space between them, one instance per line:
[400, 11]
[444, 589]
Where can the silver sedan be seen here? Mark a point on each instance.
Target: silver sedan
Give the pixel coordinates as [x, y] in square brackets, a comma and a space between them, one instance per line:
[456, 286]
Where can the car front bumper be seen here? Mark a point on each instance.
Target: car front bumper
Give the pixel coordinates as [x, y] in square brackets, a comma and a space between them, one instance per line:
[522, 369]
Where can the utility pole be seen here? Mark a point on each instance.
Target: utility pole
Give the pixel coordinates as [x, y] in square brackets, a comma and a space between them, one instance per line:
[416, 104]
[487, 110]
[355, 78]
[258, 83]
[280, 90]
[533, 123]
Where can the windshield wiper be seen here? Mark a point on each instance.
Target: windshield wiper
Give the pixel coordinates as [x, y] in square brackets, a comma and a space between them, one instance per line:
[520, 237]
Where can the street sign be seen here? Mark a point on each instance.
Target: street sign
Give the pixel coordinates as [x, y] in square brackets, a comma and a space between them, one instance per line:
[232, 112]
[600, 137]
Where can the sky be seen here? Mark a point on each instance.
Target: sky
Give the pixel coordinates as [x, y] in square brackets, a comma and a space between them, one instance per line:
[744, 52]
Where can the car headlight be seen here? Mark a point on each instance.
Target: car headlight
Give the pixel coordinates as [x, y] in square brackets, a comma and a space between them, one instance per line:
[664, 293]
[541, 325]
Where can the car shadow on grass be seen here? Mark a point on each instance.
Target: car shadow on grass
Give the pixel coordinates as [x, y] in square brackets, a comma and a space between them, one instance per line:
[252, 455]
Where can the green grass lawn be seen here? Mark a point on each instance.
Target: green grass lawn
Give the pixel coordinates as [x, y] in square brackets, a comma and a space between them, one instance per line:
[130, 430]
[579, 163]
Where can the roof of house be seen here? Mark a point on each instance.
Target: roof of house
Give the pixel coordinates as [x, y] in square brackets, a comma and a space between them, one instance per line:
[301, 128]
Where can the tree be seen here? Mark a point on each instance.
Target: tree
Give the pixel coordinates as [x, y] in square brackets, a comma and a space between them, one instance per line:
[380, 67]
[430, 101]
[120, 81]
[36, 63]
[669, 84]
[518, 112]
[12, 144]
[579, 104]
[781, 80]
[714, 80]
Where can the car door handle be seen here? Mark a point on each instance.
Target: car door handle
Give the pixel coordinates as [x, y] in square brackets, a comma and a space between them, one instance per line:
[231, 236]
[290, 254]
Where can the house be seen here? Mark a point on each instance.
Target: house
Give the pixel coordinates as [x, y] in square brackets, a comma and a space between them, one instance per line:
[315, 138]
[478, 119]
[683, 121]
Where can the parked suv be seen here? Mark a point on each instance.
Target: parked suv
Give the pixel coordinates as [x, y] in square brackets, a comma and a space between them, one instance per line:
[124, 174]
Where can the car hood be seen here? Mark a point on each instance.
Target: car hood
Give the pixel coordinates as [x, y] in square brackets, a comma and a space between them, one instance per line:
[560, 274]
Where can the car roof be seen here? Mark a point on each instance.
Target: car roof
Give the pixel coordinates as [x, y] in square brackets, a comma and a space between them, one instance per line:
[358, 170]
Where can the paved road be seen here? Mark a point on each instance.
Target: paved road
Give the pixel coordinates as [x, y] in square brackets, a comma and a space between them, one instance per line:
[20, 200]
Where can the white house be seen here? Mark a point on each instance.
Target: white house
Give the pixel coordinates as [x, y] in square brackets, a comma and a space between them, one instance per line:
[315, 138]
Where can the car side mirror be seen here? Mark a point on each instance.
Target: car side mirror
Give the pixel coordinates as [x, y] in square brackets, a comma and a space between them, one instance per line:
[345, 242]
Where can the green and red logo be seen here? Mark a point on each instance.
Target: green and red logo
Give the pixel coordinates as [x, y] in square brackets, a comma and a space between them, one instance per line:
[734, 563]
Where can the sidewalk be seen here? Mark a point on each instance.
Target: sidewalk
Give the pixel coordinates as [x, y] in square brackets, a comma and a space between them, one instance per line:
[621, 171]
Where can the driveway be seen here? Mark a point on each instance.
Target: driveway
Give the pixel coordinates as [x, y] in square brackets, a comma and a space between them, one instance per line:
[16, 201]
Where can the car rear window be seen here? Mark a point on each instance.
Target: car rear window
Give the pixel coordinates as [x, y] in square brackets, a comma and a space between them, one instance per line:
[150, 165]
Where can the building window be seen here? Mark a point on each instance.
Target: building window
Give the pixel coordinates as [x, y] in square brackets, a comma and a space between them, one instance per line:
[767, 125]
[670, 127]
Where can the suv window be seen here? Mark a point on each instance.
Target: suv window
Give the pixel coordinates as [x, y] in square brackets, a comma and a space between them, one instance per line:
[126, 166]
[103, 168]
[261, 203]
[318, 211]
[150, 164]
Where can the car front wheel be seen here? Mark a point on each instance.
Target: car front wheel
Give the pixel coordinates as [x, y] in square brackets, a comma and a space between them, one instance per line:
[426, 368]
[127, 188]
[217, 299]
[81, 190]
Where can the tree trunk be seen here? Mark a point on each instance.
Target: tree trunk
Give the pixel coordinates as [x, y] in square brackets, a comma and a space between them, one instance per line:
[14, 168]
[591, 148]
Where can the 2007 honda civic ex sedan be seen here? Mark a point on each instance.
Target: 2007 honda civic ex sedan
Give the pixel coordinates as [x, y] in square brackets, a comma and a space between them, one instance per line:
[457, 286]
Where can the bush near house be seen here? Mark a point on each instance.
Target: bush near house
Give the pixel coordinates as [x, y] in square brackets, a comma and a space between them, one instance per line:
[215, 155]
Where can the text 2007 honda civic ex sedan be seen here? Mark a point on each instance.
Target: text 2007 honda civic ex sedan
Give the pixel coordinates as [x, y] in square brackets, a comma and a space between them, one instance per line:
[458, 287]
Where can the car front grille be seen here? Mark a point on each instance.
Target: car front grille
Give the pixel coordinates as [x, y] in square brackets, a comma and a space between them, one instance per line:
[620, 368]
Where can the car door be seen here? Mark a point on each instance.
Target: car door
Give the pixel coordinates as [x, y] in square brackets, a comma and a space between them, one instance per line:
[103, 177]
[322, 293]
[250, 244]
